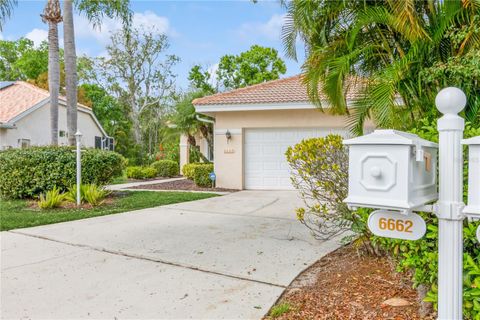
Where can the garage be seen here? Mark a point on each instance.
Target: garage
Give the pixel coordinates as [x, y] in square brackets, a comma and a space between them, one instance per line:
[265, 165]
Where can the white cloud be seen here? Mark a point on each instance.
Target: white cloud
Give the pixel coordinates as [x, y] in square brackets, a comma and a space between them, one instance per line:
[148, 20]
[37, 36]
[213, 73]
[270, 29]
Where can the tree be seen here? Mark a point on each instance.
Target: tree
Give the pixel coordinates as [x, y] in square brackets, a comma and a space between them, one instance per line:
[95, 10]
[256, 65]
[187, 123]
[53, 16]
[139, 74]
[20, 60]
[6, 7]
[385, 45]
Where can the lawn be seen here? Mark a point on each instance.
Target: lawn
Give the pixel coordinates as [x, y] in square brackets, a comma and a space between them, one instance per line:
[19, 214]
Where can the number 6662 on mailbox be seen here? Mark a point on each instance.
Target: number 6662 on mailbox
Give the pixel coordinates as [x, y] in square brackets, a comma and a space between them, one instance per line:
[391, 224]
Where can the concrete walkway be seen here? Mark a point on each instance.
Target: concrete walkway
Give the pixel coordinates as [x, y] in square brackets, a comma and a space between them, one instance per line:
[121, 186]
[227, 257]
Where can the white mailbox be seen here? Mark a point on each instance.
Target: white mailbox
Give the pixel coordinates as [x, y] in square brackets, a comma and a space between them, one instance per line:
[390, 169]
[473, 206]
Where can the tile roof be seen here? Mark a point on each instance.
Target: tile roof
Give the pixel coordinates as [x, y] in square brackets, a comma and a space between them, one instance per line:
[19, 97]
[284, 90]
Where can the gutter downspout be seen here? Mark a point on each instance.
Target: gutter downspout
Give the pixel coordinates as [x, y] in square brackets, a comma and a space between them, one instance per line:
[7, 126]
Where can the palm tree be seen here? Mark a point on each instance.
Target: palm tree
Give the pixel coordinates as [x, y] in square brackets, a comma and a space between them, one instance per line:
[6, 7]
[385, 45]
[53, 16]
[95, 11]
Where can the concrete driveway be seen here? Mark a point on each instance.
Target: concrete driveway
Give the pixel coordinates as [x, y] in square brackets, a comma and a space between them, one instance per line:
[226, 257]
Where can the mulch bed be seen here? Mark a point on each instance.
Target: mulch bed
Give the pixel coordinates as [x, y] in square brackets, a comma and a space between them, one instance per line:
[183, 184]
[345, 285]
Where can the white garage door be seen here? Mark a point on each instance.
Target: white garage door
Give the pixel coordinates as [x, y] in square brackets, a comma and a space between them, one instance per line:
[265, 164]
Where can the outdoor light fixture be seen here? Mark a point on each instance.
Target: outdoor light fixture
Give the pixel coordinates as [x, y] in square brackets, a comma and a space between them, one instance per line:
[228, 135]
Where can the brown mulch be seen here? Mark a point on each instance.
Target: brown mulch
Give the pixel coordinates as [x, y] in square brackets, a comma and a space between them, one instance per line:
[184, 184]
[346, 285]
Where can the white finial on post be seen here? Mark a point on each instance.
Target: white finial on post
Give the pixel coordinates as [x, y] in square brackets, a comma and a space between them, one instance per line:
[450, 101]
[78, 138]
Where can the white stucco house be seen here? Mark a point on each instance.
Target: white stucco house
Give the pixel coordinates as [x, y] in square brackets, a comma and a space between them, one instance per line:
[25, 119]
[255, 125]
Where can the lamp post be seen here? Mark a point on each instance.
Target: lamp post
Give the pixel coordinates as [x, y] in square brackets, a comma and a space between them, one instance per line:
[78, 138]
[450, 101]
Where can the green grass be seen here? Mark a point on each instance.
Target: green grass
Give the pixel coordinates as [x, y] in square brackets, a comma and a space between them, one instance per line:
[17, 213]
[280, 309]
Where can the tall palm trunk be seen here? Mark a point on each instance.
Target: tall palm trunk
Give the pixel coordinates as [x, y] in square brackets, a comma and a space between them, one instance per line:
[70, 70]
[53, 16]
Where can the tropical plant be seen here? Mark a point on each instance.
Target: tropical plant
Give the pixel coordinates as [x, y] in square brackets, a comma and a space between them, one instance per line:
[383, 47]
[6, 8]
[71, 194]
[53, 16]
[51, 199]
[94, 194]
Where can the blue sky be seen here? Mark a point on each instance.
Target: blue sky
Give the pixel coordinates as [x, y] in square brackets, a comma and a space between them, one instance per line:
[200, 32]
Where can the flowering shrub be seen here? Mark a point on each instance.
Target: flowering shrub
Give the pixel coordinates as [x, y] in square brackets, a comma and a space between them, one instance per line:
[320, 173]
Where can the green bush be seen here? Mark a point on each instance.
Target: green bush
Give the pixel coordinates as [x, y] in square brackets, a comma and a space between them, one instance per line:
[26, 173]
[201, 174]
[320, 173]
[137, 172]
[166, 168]
[51, 199]
[188, 170]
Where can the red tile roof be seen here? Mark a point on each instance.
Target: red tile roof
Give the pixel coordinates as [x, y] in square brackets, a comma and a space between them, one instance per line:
[284, 90]
[19, 97]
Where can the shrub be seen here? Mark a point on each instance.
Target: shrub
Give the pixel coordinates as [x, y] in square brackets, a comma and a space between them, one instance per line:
[141, 172]
[320, 172]
[149, 172]
[28, 172]
[201, 174]
[52, 199]
[188, 170]
[94, 194]
[135, 172]
[166, 168]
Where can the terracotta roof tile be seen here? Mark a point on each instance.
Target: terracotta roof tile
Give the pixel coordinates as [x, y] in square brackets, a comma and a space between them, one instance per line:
[284, 90]
[19, 97]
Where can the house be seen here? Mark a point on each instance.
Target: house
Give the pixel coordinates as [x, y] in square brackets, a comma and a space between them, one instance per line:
[25, 119]
[255, 125]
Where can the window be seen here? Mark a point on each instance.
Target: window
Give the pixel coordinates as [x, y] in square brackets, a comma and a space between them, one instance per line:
[24, 143]
[62, 133]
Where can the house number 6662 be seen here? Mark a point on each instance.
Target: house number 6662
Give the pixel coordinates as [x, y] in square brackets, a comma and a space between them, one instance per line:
[395, 225]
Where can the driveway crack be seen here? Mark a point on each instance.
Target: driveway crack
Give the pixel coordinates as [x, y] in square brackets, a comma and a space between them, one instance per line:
[150, 259]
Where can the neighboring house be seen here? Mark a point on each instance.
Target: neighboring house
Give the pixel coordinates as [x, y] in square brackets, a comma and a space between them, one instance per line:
[25, 119]
[255, 125]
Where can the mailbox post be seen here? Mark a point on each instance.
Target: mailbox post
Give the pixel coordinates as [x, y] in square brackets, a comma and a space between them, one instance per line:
[396, 171]
[450, 101]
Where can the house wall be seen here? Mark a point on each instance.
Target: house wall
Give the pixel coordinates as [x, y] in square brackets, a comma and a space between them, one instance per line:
[36, 127]
[229, 154]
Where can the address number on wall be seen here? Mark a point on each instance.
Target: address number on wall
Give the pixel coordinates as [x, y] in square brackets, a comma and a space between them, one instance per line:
[392, 224]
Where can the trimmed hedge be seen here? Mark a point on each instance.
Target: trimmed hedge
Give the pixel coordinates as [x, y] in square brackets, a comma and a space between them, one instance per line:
[137, 172]
[188, 170]
[201, 174]
[26, 173]
[166, 168]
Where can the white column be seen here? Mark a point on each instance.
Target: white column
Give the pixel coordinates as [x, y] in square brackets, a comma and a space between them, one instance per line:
[450, 101]
[184, 151]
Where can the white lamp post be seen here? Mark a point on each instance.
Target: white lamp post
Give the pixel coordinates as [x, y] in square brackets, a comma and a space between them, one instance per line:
[78, 138]
[450, 101]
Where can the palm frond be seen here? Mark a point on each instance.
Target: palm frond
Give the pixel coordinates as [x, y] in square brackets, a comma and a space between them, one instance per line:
[6, 9]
